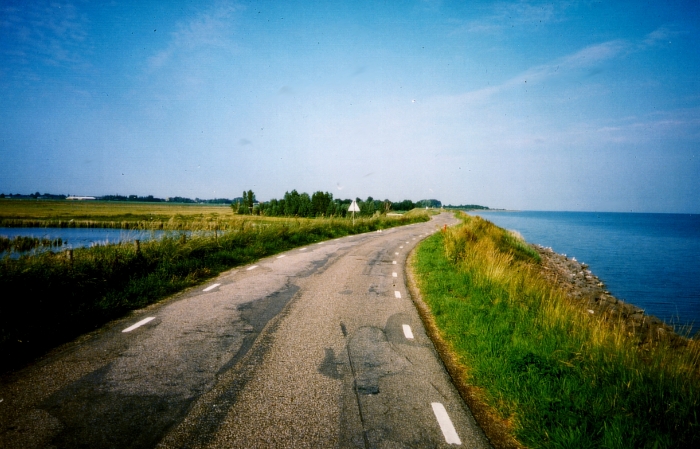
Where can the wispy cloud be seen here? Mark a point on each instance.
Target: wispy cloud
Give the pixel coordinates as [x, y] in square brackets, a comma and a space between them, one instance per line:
[210, 29]
[51, 33]
[674, 124]
[661, 35]
[507, 15]
[586, 58]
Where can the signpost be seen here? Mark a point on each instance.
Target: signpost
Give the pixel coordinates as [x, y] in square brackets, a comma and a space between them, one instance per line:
[353, 208]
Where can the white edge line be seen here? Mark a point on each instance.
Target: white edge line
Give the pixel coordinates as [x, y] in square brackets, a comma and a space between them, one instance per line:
[397, 294]
[283, 255]
[407, 332]
[139, 324]
[251, 268]
[211, 287]
[448, 430]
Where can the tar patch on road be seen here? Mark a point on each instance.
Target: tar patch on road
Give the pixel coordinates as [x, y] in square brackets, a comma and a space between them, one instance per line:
[124, 420]
[329, 366]
[255, 345]
[372, 358]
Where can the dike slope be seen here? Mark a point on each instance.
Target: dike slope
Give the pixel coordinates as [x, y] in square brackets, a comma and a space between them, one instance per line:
[587, 291]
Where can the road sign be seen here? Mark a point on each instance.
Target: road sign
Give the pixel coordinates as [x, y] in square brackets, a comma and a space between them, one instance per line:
[354, 207]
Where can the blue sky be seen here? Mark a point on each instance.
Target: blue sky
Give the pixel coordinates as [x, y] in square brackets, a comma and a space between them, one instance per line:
[521, 105]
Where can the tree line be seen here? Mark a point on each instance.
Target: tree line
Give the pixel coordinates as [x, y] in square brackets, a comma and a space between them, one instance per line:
[467, 207]
[320, 204]
[129, 198]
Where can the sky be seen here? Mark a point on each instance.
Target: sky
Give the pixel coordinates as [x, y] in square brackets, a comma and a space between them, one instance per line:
[577, 106]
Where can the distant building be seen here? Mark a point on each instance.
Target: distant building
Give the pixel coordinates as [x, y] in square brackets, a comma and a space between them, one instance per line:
[80, 198]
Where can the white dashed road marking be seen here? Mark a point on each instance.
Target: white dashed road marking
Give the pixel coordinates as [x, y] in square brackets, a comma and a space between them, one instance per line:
[397, 294]
[394, 274]
[252, 268]
[279, 257]
[401, 247]
[211, 287]
[394, 262]
[303, 249]
[139, 324]
[407, 332]
[396, 254]
[448, 430]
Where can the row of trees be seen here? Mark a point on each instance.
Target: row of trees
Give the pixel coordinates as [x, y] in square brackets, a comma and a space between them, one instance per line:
[130, 198]
[172, 199]
[467, 207]
[34, 196]
[320, 204]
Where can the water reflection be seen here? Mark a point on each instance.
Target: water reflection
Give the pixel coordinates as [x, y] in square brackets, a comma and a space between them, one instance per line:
[86, 237]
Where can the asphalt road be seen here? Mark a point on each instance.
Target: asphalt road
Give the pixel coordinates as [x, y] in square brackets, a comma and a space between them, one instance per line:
[318, 347]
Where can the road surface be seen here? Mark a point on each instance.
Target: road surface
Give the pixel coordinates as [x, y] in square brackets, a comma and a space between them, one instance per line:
[318, 347]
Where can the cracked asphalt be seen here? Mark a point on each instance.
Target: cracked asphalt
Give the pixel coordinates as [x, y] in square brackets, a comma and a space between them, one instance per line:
[311, 348]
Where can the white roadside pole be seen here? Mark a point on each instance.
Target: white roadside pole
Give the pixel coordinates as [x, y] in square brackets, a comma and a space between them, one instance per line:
[353, 208]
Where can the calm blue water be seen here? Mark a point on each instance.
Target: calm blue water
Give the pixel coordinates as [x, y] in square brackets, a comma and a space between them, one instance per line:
[650, 260]
[82, 237]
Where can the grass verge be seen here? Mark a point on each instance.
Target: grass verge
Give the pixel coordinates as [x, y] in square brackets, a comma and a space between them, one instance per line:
[48, 299]
[551, 375]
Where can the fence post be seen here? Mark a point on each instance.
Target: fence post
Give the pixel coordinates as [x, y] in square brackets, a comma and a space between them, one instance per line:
[137, 246]
[69, 256]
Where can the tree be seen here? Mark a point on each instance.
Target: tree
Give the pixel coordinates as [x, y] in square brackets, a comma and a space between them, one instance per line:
[291, 203]
[305, 207]
[320, 202]
[386, 206]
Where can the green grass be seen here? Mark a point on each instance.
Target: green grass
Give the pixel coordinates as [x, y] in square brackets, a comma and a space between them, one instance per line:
[558, 376]
[48, 300]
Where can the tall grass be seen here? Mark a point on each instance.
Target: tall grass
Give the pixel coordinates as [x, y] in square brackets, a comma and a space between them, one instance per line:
[556, 375]
[49, 298]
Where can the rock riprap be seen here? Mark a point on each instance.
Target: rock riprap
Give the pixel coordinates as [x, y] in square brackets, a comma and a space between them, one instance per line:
[588, 292]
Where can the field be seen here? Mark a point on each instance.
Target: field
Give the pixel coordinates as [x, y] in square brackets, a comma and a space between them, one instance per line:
[537, 367]
[113, 214]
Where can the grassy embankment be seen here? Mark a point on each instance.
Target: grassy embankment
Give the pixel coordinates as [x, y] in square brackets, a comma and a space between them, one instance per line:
[547, 372]
[48, 299]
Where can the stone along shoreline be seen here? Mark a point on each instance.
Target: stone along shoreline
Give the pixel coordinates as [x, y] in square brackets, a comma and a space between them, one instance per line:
[587, 291]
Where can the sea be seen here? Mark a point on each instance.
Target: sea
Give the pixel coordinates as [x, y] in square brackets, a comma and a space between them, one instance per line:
[649, 260]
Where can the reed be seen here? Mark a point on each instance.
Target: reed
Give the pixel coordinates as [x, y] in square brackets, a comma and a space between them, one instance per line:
[554, 374]
[24, 243]
[50, 298]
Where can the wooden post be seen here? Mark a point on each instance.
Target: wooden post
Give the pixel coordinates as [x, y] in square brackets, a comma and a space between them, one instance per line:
[137, 246]
[69, 256]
